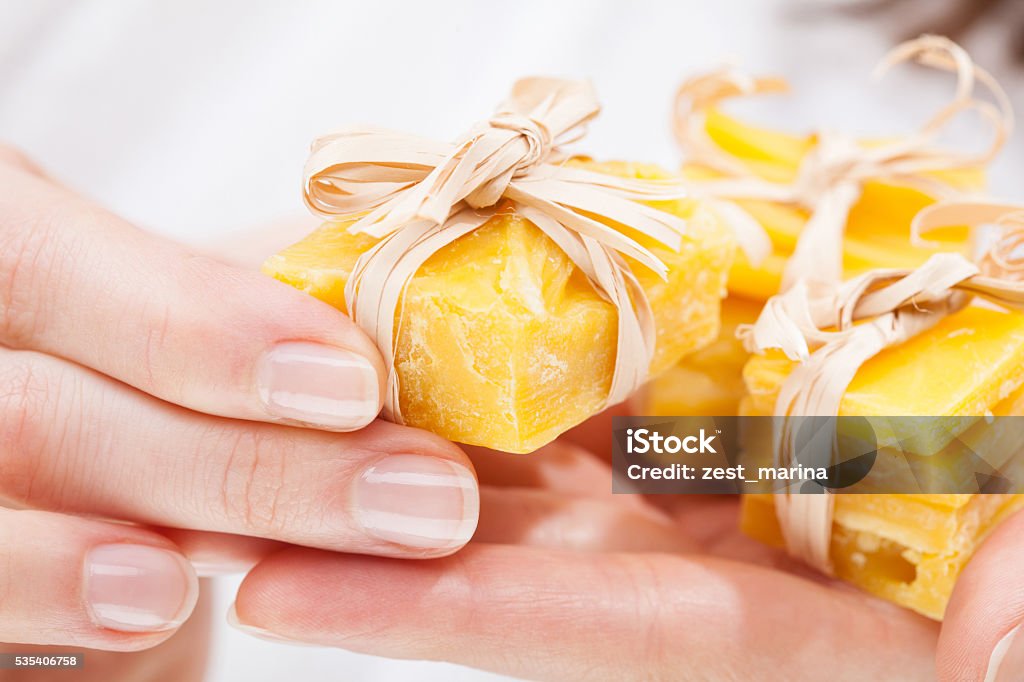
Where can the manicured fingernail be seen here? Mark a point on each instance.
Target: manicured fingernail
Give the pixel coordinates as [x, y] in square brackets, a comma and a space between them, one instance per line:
[320, 385]
[1007, 660]
[418, 501]
[136, 588]
[259, 633]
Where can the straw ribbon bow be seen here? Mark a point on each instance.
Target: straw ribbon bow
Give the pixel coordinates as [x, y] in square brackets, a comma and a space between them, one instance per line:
[831, 176]
[418, 195]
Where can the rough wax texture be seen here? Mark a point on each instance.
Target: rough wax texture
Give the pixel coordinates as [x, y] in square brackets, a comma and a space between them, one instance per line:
[502, 341]
[708, 382]
[910, 549]
[878, 229]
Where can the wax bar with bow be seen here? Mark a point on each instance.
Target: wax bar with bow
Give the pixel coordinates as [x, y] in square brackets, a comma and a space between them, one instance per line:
[832, 207]
[906, 548]
[514, 291]
[899, 344]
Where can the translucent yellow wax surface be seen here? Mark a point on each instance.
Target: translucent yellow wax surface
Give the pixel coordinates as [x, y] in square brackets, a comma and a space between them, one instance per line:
[708, 382]
[878, 229]
[911, 548]
[503, 342]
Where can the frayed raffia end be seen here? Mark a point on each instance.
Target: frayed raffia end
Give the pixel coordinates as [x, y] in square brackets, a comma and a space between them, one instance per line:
[832, 175]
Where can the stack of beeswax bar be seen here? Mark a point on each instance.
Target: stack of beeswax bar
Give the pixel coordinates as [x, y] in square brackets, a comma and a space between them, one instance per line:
[877, 236]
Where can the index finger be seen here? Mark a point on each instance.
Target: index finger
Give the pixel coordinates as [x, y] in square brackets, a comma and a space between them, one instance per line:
[82, 284]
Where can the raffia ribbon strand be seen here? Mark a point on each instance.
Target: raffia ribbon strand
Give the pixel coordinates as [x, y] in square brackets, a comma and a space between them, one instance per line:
[417, 195]
[831, 177]
[890, 307]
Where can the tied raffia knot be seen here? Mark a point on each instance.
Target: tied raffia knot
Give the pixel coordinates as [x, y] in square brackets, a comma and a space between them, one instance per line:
[832, 336]
[520, 141]
[835, 163]
[832, 175]
[417, 195]
[533, 133]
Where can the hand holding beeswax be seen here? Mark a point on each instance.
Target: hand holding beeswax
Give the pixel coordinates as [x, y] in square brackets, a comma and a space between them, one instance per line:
[513, 293]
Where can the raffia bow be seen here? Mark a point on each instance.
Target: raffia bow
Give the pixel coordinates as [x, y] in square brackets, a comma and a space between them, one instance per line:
[417, 195]
[889, 307]
[831, 177]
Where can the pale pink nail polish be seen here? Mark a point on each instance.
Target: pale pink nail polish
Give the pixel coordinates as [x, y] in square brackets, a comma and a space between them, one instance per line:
[138, 588]
[319, 385]
[418, 501]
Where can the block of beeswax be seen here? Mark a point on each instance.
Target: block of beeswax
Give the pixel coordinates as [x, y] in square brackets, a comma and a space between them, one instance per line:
[910, 548]
[878, 228]
[708, 382]
[877, 236]
[503, 342]
[905, 549]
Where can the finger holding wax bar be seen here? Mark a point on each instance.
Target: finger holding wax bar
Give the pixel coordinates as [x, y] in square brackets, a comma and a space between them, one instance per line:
[513, 292]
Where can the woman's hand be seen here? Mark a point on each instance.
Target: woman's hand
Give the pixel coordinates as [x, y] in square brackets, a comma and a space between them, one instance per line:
[566, 581]
[141, 382]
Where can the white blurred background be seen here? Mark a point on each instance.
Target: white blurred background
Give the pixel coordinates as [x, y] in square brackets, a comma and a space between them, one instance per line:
[193, 118]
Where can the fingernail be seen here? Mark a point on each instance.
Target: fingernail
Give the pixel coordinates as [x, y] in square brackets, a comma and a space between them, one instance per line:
[418, 501]
[135, 588]
[320, 385]
[1007, 660]
[259, 633]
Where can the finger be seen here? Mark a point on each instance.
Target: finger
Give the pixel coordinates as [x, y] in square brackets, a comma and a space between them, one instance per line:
[17, 159]
[559, 467]
[73, 440]
[217, 554]
[181, 658]
[595, 434]
[248, 248]
[101, 585]
[80, 283]
[980, 639]
[544, 519]
[545, 614]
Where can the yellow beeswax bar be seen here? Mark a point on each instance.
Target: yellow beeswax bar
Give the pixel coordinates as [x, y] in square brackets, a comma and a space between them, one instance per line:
[877, 231]
[906, 550]
[708, 382]
[503, 342]
[910, 548]
[877, 236]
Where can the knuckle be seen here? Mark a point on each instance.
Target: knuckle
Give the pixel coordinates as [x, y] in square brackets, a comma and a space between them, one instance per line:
[47, 237]
[253, 486]
[24, 398]
[28, 261]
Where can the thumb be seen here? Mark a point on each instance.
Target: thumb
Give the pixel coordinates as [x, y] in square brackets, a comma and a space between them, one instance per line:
[982, 637]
